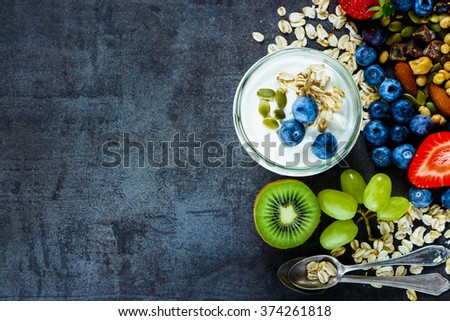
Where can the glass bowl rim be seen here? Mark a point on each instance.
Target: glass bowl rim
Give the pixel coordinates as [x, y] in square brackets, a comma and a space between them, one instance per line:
[326, 164]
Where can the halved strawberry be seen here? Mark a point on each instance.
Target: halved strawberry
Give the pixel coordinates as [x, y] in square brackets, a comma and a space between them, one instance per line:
[431, 166]
[359, 9]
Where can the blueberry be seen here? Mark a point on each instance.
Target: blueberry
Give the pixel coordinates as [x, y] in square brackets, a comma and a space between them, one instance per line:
[390, 89]
[365, 55]
[378, 110]
[374, 35]
[376, 132]
[402, 5]
[445, 199]
[292, 132]
[382, 156]
[402, 111]
[423, 8]
[420, 197]
[421, 125]
[442, 7]
[399, 133]
[305, 110]
[325, 145]
[374, 75]
[403, 155]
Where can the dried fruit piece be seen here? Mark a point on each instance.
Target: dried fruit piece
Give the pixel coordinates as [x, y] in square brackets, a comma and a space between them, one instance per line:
[433, 51]
[405, 76]
[398, 52]
[424, 34]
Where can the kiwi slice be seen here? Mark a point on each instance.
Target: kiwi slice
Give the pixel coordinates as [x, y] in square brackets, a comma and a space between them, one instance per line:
[286, 213]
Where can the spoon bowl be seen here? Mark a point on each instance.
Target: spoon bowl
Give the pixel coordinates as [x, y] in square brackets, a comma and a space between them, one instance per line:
[283, 275]
[297, 274]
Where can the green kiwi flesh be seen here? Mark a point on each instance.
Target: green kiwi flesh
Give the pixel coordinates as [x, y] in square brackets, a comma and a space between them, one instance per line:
[286, 213]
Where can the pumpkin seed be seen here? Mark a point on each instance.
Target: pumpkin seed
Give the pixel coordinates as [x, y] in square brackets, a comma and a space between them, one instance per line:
[270, 123]
[414, 18]
[436, 67]
[407, 31]
[279, 114]
[432, 107]
[396, 37]
[385, 21]
[266, 93]
[434, 18]
[280, 98]
[435, 27]
[421, 97]
[411, 99]
[430, 77]
[264, 107]
[384, 56]
[395, 26]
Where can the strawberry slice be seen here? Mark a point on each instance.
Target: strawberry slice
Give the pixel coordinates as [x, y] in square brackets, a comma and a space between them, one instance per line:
[431, 166]
[359, 9]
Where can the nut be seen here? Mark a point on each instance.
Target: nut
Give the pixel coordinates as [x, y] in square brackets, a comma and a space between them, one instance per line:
[445, 48]
[445, 23]
[447, 66]
[438, 119]
[421, 66]
[440, 99]
[447, 38]
[424, 111]
[421, 80]
[445, 73]
[438, 78]
[405, 76]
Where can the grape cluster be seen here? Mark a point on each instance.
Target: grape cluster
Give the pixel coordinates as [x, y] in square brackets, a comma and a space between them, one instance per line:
[368, 200]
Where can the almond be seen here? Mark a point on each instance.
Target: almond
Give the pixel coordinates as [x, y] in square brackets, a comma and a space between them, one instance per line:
[440, 99]
[405, 76]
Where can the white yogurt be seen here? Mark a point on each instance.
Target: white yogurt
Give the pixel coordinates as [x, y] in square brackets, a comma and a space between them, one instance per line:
[265, 141]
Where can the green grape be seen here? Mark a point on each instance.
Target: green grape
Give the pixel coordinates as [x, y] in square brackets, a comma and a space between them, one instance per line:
[338, 234]
[394, 209]
[377, 192]
[354, 184]
[337, 204]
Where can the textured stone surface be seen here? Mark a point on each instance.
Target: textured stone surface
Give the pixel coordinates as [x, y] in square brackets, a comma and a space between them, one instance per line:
[78, 74]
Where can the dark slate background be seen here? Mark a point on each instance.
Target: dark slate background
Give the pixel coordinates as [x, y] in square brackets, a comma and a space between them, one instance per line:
[78, 74]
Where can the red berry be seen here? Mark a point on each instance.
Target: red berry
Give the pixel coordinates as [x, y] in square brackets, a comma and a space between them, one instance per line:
[431, 166]
[358, 9]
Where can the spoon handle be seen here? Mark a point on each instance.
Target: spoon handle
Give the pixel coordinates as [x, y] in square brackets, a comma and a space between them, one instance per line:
[426, 256]
[432, 283]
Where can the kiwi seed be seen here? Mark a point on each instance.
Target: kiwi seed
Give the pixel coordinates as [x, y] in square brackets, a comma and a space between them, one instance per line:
[286, 213]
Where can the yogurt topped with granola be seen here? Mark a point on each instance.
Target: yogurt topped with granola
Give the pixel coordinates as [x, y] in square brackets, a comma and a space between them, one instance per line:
[297, 111]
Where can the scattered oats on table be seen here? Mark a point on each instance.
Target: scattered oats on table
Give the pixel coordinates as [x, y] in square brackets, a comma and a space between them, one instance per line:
[411, 294]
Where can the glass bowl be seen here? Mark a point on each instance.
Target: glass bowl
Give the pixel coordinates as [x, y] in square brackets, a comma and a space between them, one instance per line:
[263, 144]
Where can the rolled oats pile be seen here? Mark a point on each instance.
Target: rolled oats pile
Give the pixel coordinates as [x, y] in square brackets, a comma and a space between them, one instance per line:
[419, 227]
[314, 82]
[316, 23]
[322, 271]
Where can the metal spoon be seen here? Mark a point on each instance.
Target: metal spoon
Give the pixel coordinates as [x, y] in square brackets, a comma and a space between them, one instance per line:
[433, 283]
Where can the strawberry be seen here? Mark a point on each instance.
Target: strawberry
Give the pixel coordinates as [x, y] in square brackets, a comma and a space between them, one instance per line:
[359, 9]
[431, 166]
